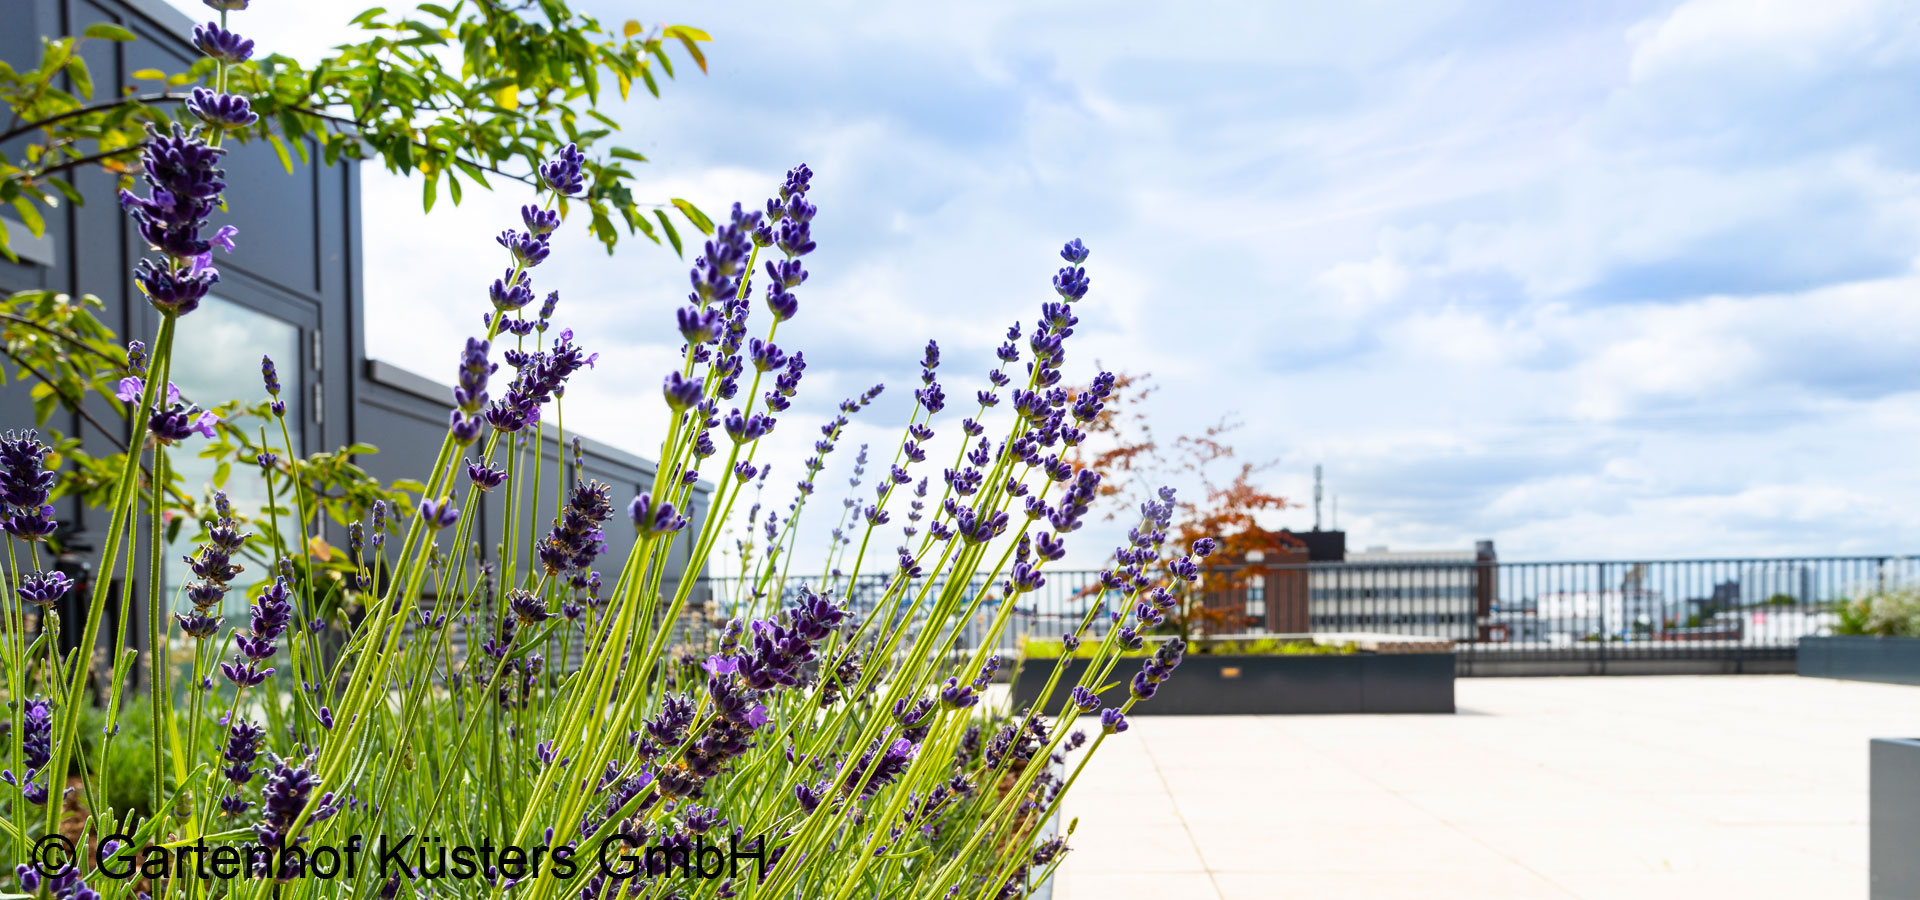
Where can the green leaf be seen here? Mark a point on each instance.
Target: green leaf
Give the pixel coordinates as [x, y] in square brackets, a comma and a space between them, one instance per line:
[686, 33]
[30, 215]
[672, 235]
[149, 75]
[66, 190]
[220, 474]
[472, 171]
[429, 192]
[280, 149]
[694, 215]
[107, 31]
[453, 188]
[82, 79]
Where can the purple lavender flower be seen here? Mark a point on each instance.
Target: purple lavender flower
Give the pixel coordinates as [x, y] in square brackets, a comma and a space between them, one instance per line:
[681, 392]
[1071, 283]
[466, 429]
[576, 539]
[221, 44]
[175, 290]
[799, 180]
[185, 180]
[470, 394]
[269, 375]
[746, 428]
[221, 110]
[272, 612]
[652, 519]
[179, 421]
[36, 736]
[511, 291]
[485, 477]
[24, 480]
[562, 173]
[1184, 568]
[439, 513]
[781, 303]
[958, 696]
[527, 608]
[31, 524]
[1085, 699]
[288, 791]
[44, 589]
[1075, 252]
[527, 249]
[539, 221]
[880, 772]
[198, 625]
[1112, 721]
[242, 748]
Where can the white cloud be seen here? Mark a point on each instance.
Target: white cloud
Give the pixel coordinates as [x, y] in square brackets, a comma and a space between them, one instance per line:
[1633, 281]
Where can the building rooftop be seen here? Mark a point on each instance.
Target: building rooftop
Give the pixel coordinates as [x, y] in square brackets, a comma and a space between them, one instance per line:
[1642, 787]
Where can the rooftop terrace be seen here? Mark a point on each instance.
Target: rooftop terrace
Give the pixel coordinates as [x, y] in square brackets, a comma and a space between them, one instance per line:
[1644, 788]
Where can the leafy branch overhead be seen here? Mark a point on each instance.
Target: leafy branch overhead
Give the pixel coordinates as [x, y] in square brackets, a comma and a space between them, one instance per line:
[465, 94]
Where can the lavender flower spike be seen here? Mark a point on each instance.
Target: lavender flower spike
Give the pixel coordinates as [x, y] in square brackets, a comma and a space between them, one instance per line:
[651, 519]
[221, 44]
[221, 110]
[439, 513]
[562, 173]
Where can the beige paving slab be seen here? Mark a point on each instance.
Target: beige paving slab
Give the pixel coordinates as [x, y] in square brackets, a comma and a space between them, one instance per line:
[1749, 786]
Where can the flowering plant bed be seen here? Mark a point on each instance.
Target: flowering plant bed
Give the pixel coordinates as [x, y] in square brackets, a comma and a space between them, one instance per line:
[544, 718]
[1276, 683]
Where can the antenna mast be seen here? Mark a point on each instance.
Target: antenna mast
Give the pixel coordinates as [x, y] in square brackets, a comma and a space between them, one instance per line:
[1316, 496]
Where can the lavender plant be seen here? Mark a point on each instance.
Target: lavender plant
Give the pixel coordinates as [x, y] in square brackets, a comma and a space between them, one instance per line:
[805, 746]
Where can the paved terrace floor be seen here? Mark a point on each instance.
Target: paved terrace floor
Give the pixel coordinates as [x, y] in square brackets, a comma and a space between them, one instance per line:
[1623, 787]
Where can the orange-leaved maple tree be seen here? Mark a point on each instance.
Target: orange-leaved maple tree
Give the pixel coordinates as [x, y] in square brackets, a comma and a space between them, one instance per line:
[1132, 465]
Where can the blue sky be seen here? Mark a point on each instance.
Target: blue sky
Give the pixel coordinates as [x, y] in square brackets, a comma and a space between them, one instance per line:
[1627, 279]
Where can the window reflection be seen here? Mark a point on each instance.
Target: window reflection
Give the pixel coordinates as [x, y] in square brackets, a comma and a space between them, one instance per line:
[230, 339]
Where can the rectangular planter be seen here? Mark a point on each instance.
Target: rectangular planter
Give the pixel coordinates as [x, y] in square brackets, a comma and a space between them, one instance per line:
[1210, 685]
[1893, 828]
[1893, 660]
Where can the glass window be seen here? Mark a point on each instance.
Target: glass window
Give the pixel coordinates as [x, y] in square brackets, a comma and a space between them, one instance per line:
[228, 340]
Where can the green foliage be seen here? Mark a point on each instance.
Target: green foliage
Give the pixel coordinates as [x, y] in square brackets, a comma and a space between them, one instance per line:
[475, 92]
[1783, 600]
[1892, 612]
[75, 362]
[126, 781]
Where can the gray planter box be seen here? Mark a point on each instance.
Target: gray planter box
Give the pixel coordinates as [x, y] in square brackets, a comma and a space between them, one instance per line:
[1210, 685]
[1893, 660]
[1894, 819]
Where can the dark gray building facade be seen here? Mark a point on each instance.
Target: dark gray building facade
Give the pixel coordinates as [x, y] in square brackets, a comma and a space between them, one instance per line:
[292, 289]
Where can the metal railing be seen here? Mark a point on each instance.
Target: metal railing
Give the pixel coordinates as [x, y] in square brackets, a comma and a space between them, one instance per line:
[1597, 616]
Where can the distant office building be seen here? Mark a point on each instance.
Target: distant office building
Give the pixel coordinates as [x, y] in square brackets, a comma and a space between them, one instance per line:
[1774, 582]
[1296, 582]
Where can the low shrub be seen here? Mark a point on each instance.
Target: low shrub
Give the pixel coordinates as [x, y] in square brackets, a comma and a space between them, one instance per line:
[1892, 612]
